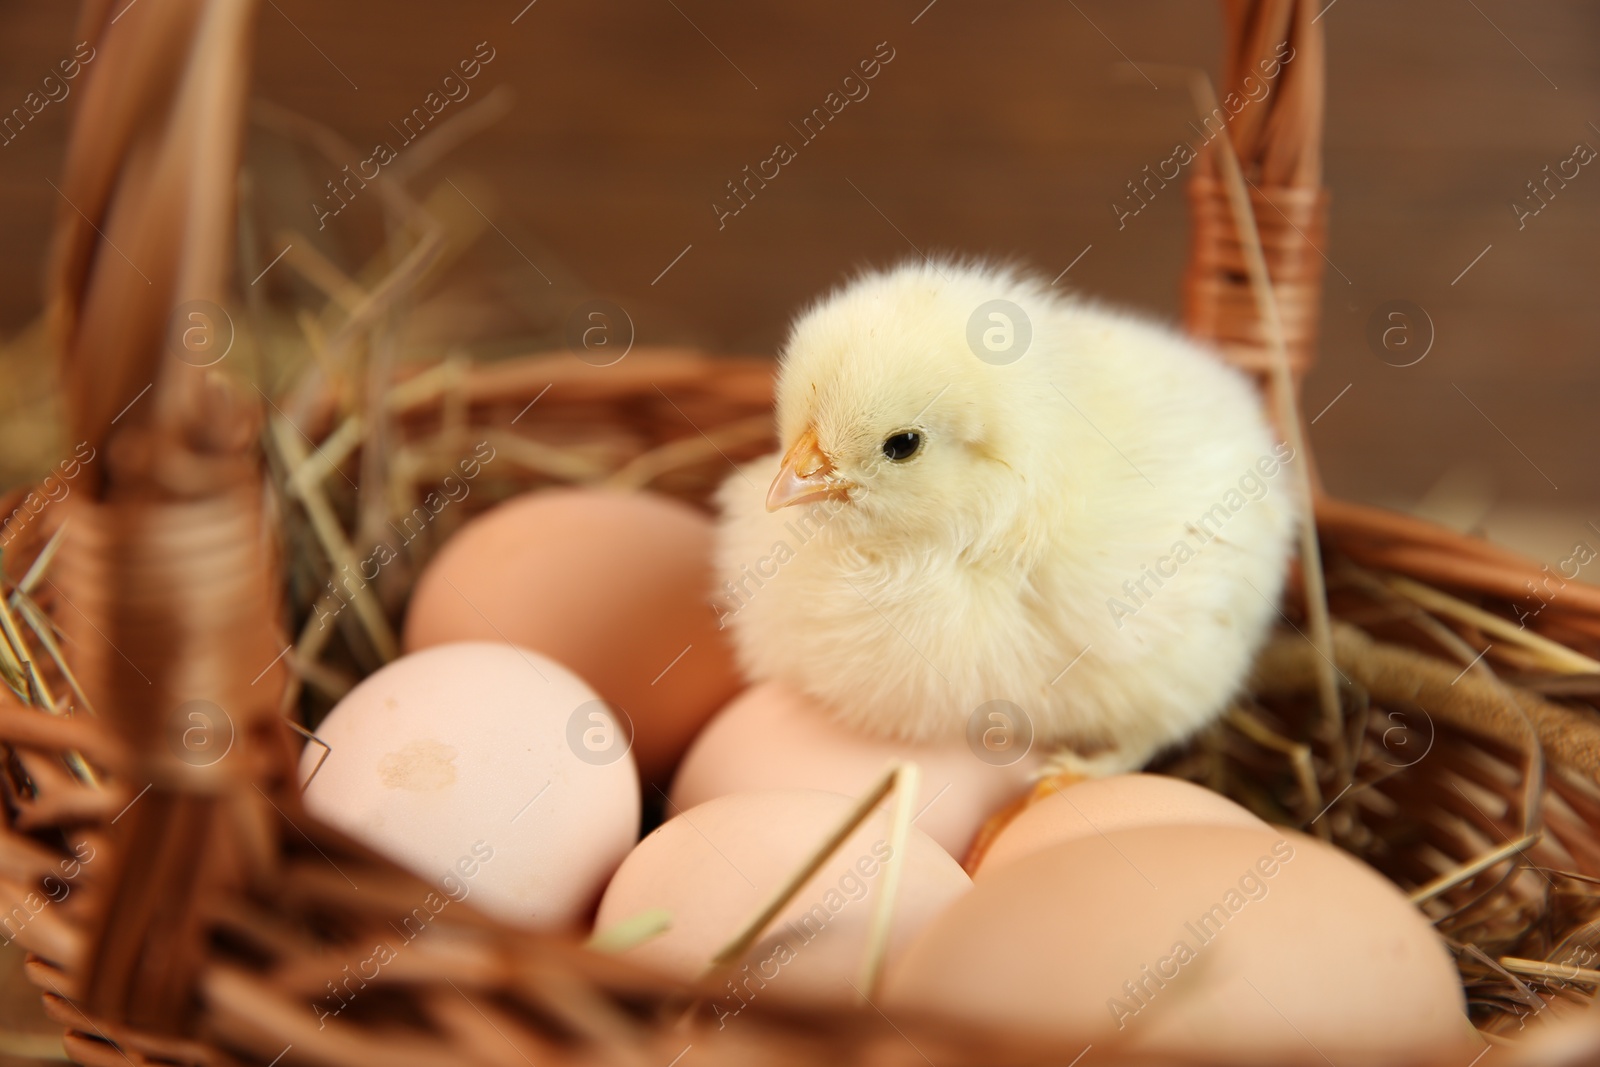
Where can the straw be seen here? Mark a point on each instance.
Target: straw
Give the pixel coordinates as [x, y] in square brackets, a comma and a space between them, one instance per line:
[1466, 872]
[1316, 593]
[747, 934]
[907, 780]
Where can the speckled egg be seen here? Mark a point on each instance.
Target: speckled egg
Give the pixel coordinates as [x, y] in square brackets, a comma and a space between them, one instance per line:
[466, 763]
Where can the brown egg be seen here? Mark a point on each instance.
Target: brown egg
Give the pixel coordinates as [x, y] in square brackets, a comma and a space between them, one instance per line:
[714, 866]
[772, 737]
[1101, 805]
[614, 586]
[1218, 943]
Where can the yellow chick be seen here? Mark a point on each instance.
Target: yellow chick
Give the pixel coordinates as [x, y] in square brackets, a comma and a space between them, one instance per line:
[996, 500]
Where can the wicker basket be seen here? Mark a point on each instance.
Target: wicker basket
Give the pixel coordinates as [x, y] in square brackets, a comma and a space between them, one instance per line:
[204, 910]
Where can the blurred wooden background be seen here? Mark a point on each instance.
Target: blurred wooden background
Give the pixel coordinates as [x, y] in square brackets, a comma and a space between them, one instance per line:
[998, 128]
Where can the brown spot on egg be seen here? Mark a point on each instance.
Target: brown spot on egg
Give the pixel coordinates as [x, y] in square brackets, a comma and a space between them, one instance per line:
[419, 766]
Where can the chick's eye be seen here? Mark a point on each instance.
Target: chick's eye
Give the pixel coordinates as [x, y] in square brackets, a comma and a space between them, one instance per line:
[902, 445]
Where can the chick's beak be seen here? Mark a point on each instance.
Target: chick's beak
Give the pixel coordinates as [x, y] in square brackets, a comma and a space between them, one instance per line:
[806, 474]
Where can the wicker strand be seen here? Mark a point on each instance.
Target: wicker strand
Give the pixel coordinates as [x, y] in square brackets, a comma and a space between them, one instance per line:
[1278, 139]
[169, 582]
[1399, 675]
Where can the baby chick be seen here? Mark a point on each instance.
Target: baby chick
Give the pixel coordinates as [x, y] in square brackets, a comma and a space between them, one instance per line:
[988, 491]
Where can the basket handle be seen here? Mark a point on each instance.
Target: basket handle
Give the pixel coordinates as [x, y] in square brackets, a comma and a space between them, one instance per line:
[167, 571]
[1271, 108]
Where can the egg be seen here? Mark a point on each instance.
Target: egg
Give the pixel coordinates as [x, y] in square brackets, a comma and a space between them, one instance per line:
[466, 764]
[1218, 943]
[1102, 805]
[714, 866]
[616, 586]
[773, 737]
